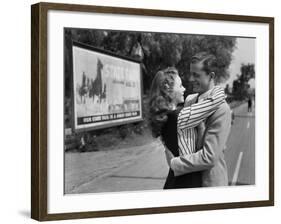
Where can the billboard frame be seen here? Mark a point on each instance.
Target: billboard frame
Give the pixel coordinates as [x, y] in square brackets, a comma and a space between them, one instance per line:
[108, 53]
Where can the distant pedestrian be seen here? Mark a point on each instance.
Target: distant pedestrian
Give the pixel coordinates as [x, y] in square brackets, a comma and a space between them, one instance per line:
[250, 104]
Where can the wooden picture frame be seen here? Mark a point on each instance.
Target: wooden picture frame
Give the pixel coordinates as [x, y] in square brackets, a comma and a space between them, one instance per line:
[40, 110]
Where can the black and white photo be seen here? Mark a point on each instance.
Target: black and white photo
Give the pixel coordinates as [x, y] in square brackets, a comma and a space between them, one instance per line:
[158, 111]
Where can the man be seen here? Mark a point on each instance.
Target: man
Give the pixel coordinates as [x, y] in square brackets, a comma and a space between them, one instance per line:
[209, 157]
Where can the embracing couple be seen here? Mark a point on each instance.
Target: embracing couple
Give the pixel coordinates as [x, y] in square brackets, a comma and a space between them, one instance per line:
[195, 134]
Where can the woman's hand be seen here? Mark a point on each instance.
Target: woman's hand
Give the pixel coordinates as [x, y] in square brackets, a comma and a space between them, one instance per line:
[218, 93]
[169, 156]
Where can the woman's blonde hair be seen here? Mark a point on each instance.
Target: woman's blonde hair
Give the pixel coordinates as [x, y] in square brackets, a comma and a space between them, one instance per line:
[161, 97]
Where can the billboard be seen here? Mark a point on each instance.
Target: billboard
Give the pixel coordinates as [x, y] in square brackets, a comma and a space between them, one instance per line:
[107, 88]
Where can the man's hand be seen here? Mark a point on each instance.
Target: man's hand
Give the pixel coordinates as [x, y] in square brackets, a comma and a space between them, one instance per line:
[169, 156]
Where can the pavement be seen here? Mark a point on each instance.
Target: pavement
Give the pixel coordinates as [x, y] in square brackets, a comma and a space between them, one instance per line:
[136, 168]
[145, 168]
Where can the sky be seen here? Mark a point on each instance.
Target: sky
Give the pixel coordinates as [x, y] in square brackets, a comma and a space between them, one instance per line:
[244, 53]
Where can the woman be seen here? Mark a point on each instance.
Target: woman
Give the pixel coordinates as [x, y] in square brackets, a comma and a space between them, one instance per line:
[166, 94]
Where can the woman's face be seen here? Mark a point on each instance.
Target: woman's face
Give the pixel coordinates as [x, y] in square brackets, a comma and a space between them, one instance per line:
[178, 91]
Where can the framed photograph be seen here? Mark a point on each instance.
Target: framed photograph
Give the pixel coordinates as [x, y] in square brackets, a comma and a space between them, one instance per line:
[141, 111]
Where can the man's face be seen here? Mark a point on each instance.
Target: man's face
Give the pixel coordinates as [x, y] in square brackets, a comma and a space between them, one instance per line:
[200, 80]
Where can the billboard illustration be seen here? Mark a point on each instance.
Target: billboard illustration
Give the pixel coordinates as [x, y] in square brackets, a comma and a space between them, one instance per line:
[107, 88]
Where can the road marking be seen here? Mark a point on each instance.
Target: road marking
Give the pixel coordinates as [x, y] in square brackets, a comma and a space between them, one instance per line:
[237, 168]
[248, 125]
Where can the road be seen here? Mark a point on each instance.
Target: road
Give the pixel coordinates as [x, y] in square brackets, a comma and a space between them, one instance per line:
[145, 167]
[240, 154]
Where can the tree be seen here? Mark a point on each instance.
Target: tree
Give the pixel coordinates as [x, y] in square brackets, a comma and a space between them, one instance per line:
[160, 50]
[241, 85]
[227, 89]
[220, 46]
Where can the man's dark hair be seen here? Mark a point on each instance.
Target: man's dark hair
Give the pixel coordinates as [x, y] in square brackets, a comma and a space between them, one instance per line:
[209, 61]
